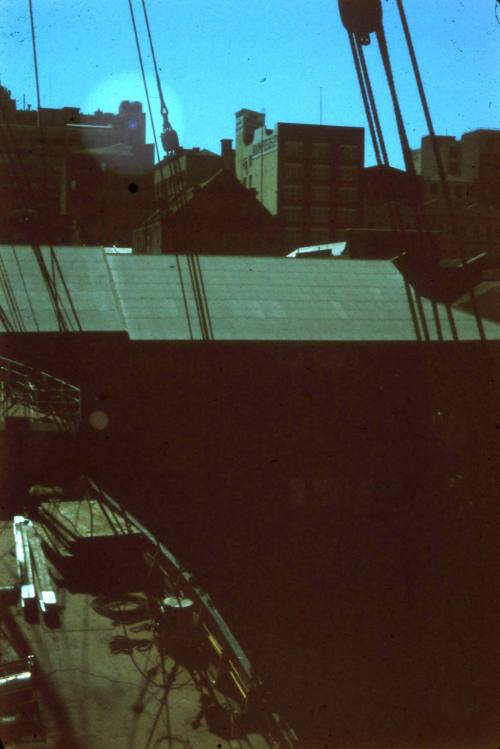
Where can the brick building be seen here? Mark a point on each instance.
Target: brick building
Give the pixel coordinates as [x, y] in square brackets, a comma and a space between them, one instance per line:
[85, 179]
[472, 168]
[189, 167]
[307, 175]
[215, 217]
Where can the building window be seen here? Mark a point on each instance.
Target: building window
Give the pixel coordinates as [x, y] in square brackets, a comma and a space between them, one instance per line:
[319, 236]
[292, 214]
[293, 236]
[321, 173]
[321, 151]
[347, 216]
[249, 180]
[347, 173]
[347, 195]
[293, 193]
[245, 181]
[320, 194]
[349, 153]
[294, 172]
[293, 149]
[320, 214]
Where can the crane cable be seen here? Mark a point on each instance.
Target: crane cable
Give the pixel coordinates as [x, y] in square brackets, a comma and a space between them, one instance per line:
[439, 161]
[143, 74]
[180, 196]
[164, 108]
[374, 125]
[50, 281]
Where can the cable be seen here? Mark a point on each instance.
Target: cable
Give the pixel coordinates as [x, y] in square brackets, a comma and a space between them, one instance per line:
[153, 55]
[50, 282]
[25, 287]
[439, 161]
[144, 81]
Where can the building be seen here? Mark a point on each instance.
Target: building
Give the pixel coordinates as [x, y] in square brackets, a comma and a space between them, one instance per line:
[472, 169]
[189, 167]
[389, 195]
[81, 178]
[307, 175]
[217, 216]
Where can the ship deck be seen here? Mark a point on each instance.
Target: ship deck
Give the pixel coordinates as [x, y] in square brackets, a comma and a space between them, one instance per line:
[105, 676]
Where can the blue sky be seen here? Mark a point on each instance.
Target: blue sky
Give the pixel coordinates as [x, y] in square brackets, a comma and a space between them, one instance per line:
[219, 56]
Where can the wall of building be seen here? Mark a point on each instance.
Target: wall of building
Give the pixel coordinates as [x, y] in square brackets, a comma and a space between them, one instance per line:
[75, 187]
[308, 175]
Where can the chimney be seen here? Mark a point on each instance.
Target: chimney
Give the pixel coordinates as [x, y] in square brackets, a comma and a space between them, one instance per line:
[227, 153]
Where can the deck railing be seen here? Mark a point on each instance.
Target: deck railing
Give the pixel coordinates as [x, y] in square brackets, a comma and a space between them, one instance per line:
[227, 655]
[27, 392]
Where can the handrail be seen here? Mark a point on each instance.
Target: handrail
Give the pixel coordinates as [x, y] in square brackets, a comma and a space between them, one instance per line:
[39, 394]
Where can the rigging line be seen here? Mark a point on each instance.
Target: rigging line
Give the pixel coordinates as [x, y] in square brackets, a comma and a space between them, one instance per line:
[423, 319]
[437, 156]
[430, 127]
[12, 325]
[38, 97]
[48, 283]
[372, 101]
[10, 296]
[32, 309]
[35, 61]
[143, 73]
[23, 198]
[413, 313]
[394, 208]
[420, 218]
[5, 321]
[204, 298]
[364, 96]
[53, 283]
[437, 320]
[374, 125]
[153, 55]
[197, 297]
[178, 177]
[184, 297]
[405, 146]
[65, 287]
[451, 321]
[41, 260]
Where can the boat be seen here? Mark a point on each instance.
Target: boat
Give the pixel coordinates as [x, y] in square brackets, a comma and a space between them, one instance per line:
[107, 640]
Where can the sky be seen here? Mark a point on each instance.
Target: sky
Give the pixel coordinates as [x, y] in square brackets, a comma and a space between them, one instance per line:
[276, 56]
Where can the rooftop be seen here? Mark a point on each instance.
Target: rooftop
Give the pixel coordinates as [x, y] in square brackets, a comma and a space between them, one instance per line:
[166, 297]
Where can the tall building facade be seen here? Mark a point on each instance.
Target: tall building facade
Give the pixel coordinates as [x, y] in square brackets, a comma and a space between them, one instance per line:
[472, 168]
[78, 178]
[307, 175]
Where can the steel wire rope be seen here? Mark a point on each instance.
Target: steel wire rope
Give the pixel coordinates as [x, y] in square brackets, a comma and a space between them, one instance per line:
[32, 309]
[174, 165]
[180, 196]
[50, 282]
[438, 159]
[179, 186]
[364, 96]
[10, 296]
[375, 126]
[22, 196]
[6, 284]
[422, 225]
[381, 155]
